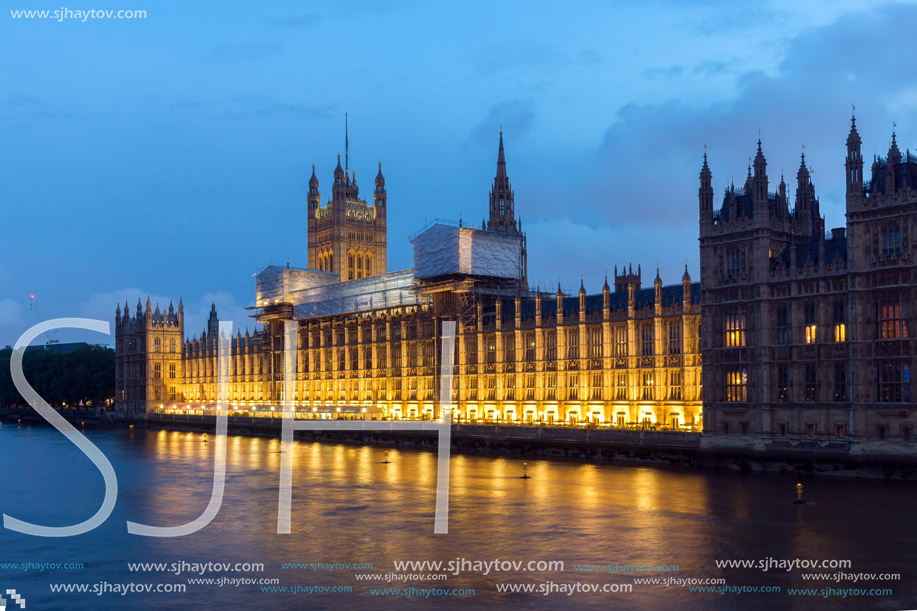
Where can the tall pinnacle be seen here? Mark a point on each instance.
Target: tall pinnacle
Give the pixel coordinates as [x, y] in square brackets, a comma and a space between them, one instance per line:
[346, 145]
[501, 159]
[853, 138]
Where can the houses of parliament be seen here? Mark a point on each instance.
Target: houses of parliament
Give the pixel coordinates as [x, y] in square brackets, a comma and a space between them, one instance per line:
[802, 334]
[369, 340]
[808, 334]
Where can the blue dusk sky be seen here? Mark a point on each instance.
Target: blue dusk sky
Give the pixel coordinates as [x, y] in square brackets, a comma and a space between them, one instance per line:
[170, 155]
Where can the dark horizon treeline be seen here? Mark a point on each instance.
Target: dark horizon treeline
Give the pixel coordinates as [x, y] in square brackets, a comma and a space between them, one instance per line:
[86, 374]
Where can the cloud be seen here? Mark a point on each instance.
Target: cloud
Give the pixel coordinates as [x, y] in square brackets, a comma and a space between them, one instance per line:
[647, 164]
[664, 73]
[28, 106]
[246, 50]
[24, 100]
[11, 313]
[186, 105]
[700, 72]
[516, 118]
[251, 105]
[563, 249]
[511, 56]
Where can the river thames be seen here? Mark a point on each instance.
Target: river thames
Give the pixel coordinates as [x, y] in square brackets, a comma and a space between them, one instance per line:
[352, 509]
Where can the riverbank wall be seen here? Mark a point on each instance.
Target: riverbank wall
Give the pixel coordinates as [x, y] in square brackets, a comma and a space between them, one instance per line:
[839, 458]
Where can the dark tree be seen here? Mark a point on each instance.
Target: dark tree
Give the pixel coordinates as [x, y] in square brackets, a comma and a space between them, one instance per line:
[85, 375]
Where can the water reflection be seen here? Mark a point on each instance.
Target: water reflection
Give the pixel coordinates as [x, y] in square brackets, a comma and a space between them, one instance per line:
[350, 506]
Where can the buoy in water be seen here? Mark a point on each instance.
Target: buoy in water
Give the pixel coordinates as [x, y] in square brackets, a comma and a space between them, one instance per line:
[386, 461]
[799, 490]
[525, 471]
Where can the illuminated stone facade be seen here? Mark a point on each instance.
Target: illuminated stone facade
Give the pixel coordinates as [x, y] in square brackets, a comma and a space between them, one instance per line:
[347, 236]
[149, 356]
[371, 347]
[808, 335]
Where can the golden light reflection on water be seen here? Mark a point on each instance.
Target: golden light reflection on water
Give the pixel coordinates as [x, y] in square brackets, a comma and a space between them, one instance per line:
[349, 505]
[577, 488]
[344, 496]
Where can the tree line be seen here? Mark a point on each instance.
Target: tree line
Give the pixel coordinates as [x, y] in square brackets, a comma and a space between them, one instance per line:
[83, 376]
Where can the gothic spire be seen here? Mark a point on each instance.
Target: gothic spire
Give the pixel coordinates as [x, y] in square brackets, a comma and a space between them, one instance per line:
[803, 174]
[338, 171]
[853, 138]
[894, 155]
[501, 159]
[502, 217]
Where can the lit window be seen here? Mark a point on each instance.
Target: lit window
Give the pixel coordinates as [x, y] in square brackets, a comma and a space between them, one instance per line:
[572, 386]
[529, 346]
[810, 326]
[735, 330]
[509, 348]
[647, 339]
[675, 385]
[892, 324]
[550, 382]
[572, 344]
[621, 386]
[648, 386]
[737, 385]
[840, 322]
[596, 385]
[595, 342]
[620, 340]
[550, 346]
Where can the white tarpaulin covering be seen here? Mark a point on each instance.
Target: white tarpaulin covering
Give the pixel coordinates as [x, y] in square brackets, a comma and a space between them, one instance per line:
[444, 249]
[276, 282]
[381, 291]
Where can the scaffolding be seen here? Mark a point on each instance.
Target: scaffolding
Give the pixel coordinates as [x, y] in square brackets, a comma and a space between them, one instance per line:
[381, 291]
